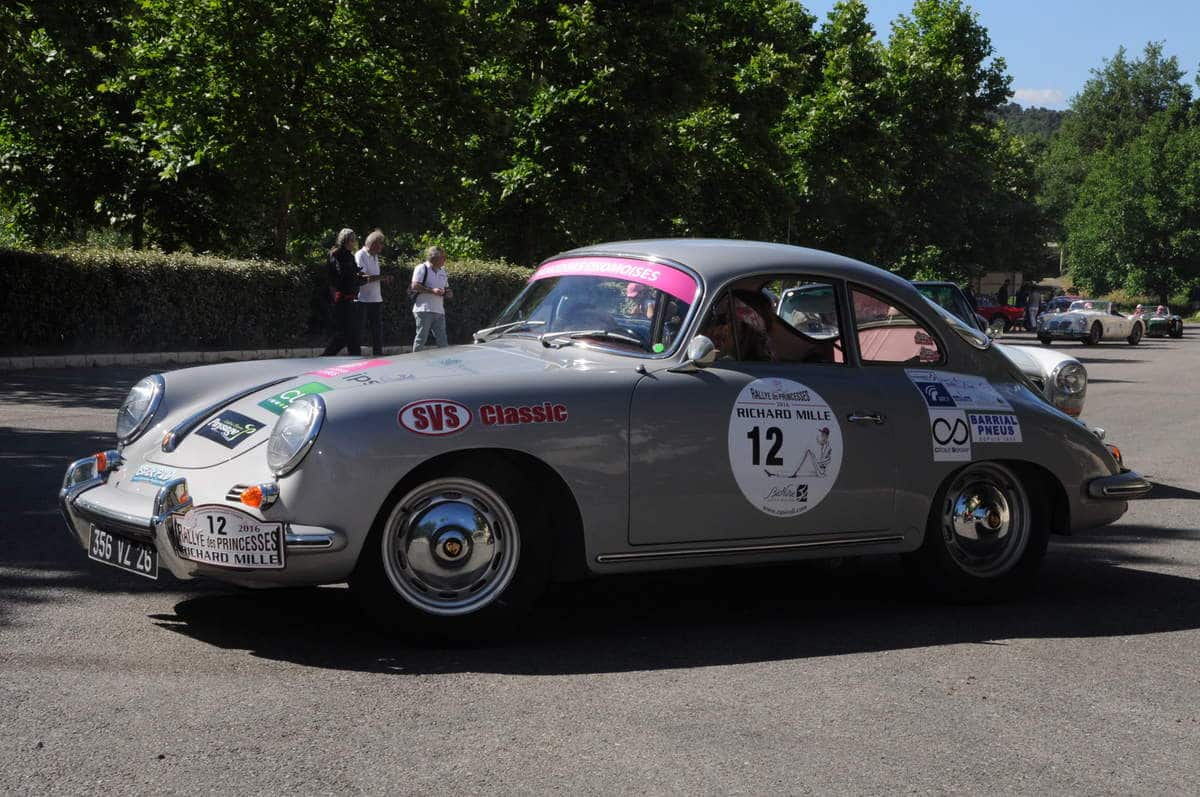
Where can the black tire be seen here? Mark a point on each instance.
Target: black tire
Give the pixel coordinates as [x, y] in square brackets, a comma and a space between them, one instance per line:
[1135, 335]
[1177, 330]
[394, 581]
[1094, 334]
[978, 548]
[1046, 341]
[1005, 325]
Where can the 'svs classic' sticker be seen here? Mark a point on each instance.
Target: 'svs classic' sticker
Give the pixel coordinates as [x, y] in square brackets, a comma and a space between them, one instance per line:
[281, 401]
[435, 416]
[785, 446]
[229, 428]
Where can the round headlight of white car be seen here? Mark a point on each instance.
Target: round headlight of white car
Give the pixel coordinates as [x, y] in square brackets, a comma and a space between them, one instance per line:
[294, 433]
[138, 408]
[1071, 379]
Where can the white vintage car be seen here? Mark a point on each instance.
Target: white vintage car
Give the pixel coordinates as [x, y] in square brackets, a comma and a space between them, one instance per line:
[1091, 321]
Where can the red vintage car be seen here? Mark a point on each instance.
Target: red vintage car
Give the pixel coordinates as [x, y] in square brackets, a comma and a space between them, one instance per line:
[990, 309]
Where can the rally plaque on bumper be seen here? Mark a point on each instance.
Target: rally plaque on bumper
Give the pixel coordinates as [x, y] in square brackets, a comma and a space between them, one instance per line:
[218, 535]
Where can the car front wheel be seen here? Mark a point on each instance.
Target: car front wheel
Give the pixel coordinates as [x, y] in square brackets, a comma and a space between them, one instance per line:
[1177, 330]
[1094, 335]
[985, 537]
[454, 553]
[1135, 335]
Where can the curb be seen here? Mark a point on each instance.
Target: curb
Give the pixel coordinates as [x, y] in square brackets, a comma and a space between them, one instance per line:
[21, 363]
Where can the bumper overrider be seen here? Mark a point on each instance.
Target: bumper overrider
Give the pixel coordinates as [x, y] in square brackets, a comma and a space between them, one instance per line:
[88, 502]
[1122, 486]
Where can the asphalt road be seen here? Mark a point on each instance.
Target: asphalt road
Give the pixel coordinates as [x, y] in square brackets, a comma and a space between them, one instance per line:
[780, 679]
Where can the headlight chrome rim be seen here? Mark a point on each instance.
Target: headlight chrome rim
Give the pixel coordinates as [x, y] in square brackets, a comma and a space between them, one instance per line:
[293, 454]
[157, 387]
[1070, 378]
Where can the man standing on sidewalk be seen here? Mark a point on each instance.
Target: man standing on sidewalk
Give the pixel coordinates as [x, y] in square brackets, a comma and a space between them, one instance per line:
[369, 295]
[430, 288]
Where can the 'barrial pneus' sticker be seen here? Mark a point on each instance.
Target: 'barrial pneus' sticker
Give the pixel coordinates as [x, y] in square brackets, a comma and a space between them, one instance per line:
[785, 446]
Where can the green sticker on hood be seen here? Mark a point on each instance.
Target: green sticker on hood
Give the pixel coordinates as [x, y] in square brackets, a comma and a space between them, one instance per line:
[281, 401]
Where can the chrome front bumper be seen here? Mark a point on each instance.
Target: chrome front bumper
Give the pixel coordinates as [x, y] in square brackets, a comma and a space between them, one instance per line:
[87, 501]
[1123, 486]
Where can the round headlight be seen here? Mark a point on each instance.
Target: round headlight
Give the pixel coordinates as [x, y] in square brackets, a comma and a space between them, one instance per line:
[138, 408]
[294, 433]
[1071, 379]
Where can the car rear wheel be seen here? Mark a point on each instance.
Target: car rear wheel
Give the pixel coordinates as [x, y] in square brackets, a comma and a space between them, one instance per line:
[1135, 335]
[1094, 335]
[454, 553]
[985, 538]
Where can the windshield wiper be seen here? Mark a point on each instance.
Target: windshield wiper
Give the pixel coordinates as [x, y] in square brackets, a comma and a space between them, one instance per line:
[564, 337]
[491, 333]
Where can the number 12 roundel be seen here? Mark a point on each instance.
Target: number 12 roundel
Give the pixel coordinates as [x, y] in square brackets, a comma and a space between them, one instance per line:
[785, 446]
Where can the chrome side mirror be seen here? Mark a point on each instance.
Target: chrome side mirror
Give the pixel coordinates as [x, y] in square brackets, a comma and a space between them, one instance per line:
[701, 353]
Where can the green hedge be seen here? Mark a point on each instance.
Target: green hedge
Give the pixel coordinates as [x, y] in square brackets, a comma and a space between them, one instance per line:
[73, 301]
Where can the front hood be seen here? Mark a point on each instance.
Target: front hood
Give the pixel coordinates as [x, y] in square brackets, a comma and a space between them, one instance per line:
[234, 426]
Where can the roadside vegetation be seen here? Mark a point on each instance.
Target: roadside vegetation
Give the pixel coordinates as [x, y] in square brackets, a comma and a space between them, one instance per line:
[510, 131]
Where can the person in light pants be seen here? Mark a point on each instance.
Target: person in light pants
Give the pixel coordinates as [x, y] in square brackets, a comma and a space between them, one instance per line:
[430, 288]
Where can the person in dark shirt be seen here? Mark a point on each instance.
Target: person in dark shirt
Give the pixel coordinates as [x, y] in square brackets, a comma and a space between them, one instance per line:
[344, 280]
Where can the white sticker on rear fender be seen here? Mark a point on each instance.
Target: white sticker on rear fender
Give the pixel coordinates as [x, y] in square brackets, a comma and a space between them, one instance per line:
[950, 434]
[785, 446]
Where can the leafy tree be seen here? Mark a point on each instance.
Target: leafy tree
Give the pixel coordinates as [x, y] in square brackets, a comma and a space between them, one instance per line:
[1136, 224]
[1109, 112]
[605, 119]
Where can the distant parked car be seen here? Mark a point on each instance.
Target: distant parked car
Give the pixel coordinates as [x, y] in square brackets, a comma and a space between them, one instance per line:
[1061, 378]
[1160, 322]
[1090, 321]
[1059, 304]
[1008, 316]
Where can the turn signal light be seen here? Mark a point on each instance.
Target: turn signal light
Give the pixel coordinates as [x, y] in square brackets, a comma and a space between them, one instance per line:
[260, 496]
[252, 496]
[101, 462]
[1116, 452]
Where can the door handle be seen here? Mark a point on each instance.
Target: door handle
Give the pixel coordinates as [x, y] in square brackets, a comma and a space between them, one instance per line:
[876, 418]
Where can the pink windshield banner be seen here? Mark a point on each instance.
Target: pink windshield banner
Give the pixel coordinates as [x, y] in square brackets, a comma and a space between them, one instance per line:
[655, 275]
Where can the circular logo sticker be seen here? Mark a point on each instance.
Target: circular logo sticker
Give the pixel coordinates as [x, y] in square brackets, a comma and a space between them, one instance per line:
[785, 446]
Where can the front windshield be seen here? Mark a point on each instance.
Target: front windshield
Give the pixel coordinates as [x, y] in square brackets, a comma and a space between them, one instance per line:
[1085, 304]
[627, 304]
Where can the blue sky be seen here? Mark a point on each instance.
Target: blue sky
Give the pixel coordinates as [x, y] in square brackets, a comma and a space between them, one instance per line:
[1051, 46]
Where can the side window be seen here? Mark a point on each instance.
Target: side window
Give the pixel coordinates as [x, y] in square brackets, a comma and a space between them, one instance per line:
[776, 319]
[887, 333]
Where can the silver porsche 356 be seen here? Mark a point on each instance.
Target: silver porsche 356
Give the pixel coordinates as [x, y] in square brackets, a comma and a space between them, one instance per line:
[638, 406]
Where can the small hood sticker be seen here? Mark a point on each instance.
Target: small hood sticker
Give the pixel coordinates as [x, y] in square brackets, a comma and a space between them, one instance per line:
[229, 428]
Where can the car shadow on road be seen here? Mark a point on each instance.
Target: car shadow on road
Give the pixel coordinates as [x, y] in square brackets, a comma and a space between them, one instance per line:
[1170, 491]
[1089, 587]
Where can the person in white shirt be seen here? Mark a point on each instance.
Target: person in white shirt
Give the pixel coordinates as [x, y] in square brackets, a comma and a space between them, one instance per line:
[369, 295]
[430, 289]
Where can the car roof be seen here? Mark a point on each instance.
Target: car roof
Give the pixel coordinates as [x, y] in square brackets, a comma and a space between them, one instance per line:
[718, 260]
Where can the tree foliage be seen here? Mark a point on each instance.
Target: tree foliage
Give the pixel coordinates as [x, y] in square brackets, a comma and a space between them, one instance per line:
[1122, 175]
[514, 128]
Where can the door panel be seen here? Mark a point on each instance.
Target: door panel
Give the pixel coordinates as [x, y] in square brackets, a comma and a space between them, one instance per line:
[758, 450]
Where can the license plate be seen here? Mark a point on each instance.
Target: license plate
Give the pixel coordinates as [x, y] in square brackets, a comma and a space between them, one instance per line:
[219, 535]
[129, 555]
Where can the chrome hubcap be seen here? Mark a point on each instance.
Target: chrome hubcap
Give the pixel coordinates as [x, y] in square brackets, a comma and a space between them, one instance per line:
[451, 546]
[985, 522]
